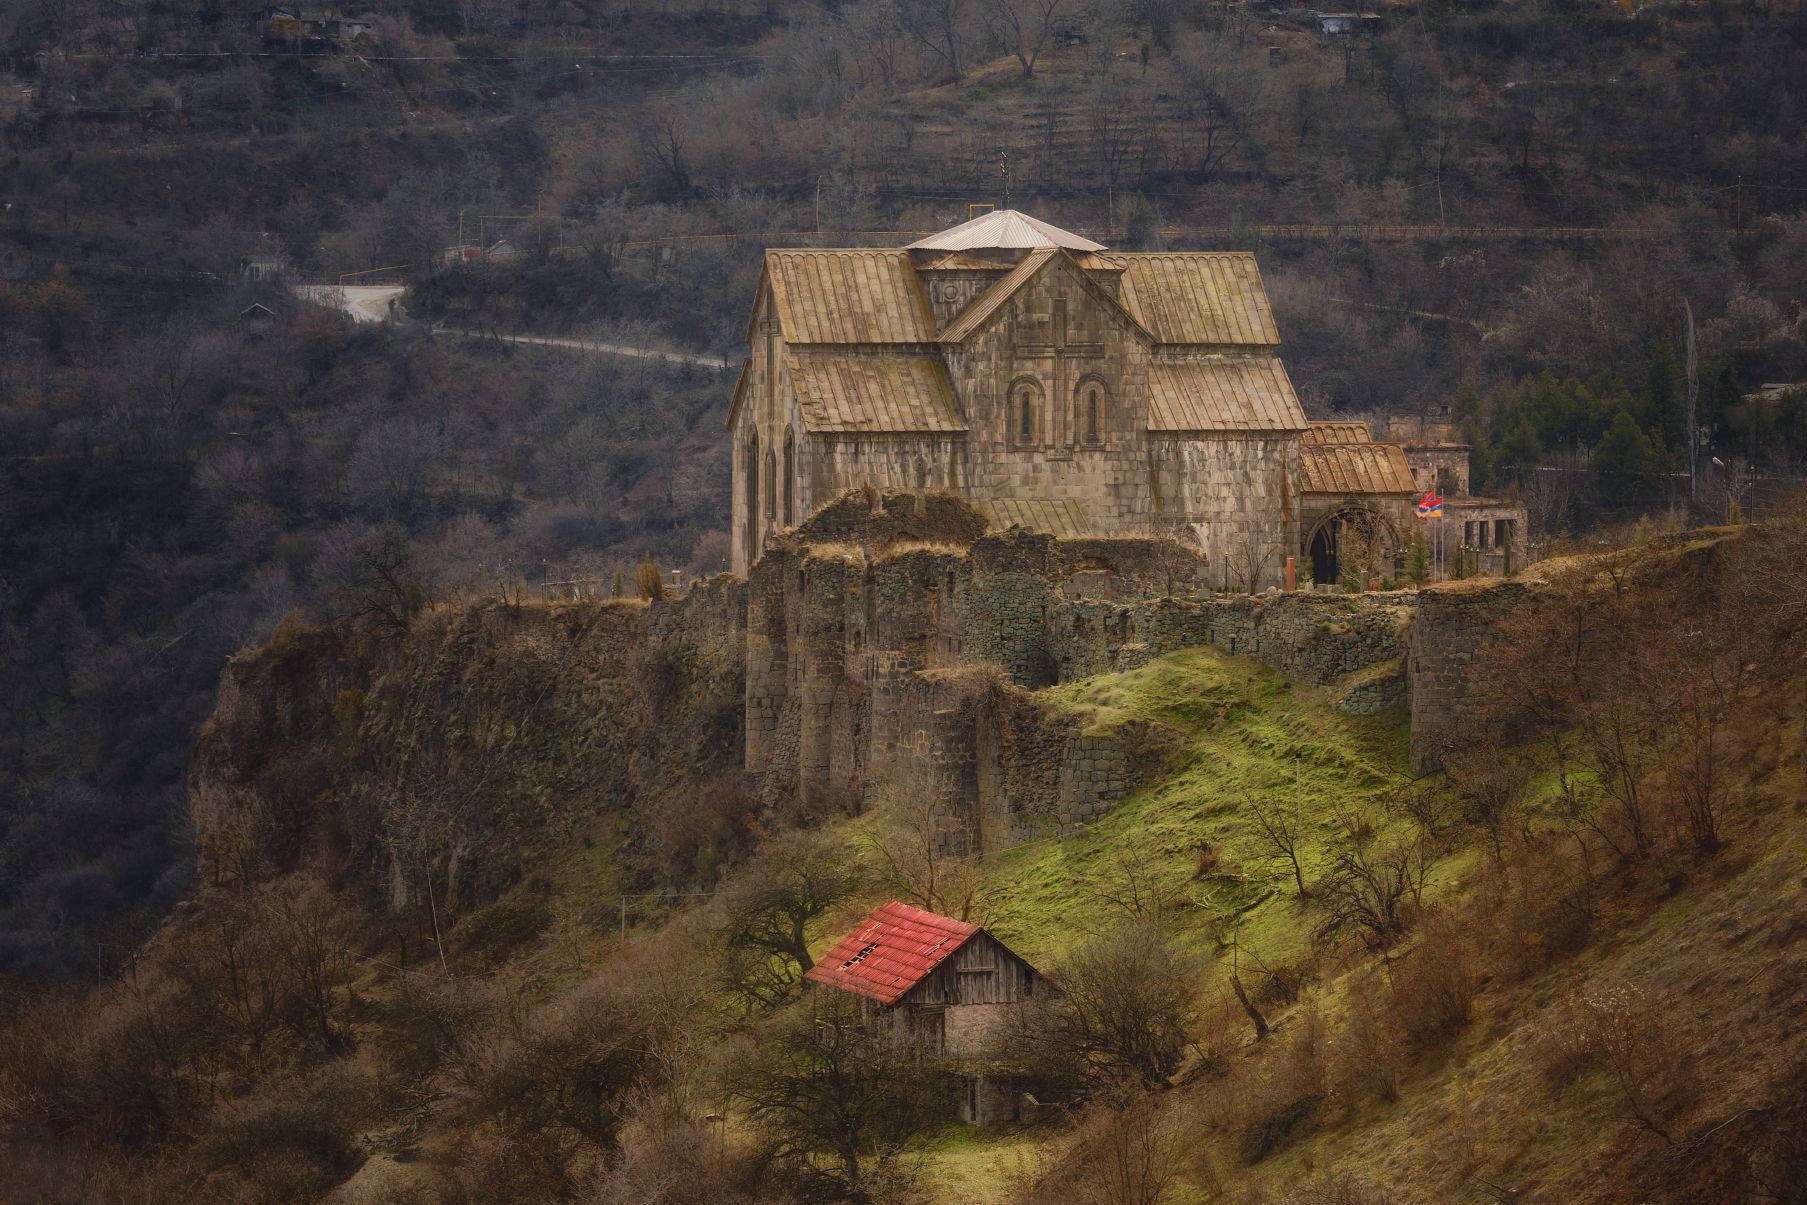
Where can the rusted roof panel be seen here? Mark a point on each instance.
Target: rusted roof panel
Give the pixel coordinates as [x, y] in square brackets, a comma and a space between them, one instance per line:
[986, 304]
[849, 296]
[1222, 393]
[874, 393]
[1055, 516]
[1198, 297]
[1354, 468]
[1004, 228]
[891, 951]
[1337, 433]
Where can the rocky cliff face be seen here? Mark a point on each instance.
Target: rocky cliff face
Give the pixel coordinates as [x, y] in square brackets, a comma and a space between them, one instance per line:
[451, 756]
[859, 660]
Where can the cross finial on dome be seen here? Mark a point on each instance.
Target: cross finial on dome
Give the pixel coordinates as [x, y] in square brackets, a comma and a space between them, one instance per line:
[1003, 228]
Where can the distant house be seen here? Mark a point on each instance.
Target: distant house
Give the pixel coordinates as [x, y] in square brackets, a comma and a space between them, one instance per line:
[463, 253]
[951, 982]
[264, 269]
[314, 27]
[1348, 23]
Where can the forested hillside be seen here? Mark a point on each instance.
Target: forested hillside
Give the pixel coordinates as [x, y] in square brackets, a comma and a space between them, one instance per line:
[179, 470]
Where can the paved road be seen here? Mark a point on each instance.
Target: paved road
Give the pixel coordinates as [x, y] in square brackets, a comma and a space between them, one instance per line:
[592, 345]
[370, 303]
[365, 303]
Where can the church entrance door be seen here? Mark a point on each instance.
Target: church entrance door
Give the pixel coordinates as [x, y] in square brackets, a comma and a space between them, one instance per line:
[1323, 555]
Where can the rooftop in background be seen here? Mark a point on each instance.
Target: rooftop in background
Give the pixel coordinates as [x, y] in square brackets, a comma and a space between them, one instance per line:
[1003, 228]
[891, 951]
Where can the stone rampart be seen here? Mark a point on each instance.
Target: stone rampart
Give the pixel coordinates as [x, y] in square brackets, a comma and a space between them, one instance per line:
[877, 661]
[1448, 636]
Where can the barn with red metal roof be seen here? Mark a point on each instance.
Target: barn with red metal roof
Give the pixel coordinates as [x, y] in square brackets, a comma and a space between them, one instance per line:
[950, 982]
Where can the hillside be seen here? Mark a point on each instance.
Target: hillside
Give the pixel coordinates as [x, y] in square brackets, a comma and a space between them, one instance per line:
[1520, 213]
[404, 970]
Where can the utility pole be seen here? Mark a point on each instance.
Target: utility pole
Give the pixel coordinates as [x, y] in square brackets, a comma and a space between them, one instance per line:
[1738, 208]
[818, 205]
[1693, 403]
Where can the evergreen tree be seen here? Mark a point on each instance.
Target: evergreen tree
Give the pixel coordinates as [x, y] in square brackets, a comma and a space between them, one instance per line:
[1417, 560]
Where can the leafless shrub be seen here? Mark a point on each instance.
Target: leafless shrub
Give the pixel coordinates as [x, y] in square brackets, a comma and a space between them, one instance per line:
[1434, 985]
[290, 1141]
[1129, 1153]
[1275, 1105]
[1371, 884]
[1366, 1055]
[1621, 1030]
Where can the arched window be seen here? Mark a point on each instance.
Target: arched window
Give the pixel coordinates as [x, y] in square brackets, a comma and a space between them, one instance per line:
[1025, 415]
[1088, 411]
[771, 487]
[790, 477]
[750, 539]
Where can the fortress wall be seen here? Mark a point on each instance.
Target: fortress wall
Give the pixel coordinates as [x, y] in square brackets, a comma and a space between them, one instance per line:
[912, 671]
[1447, 638]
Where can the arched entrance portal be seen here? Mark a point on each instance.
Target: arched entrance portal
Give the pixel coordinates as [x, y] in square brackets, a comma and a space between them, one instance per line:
[1351, 547]
[1323, 554]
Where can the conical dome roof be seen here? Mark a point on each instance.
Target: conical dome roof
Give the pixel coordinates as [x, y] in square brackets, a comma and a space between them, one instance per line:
[1003, 228]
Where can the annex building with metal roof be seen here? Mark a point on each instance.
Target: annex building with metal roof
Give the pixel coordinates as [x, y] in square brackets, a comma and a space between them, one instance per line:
[1039, 374]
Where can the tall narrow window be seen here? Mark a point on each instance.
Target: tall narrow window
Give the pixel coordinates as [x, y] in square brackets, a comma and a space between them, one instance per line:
[771, 487]
[751, 546]
[1025, 416]
[1091, 414]
[790, 477]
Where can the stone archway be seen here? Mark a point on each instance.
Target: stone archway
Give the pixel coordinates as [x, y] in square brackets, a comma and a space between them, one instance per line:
[1351, 545]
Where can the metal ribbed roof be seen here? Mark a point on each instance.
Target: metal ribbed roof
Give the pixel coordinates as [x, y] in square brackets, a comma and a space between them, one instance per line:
[1003, 228]
[1337, 433]
[1054, 516]
[1227, 393]
[849, 296]
[1354, 468]
[874, 393]
[891, 951]
[1207, 297]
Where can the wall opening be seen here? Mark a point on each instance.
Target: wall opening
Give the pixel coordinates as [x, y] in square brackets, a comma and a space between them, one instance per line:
[750, 535]
[790, 477]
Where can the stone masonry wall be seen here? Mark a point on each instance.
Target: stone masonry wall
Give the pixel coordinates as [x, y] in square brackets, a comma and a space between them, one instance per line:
[867, 668]
[1452, 625]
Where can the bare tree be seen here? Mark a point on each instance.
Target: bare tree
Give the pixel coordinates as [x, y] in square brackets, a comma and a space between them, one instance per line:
[1122, 1015]
[1369, 884]
[765, 914]
[940, 27]
[1279, 827]
[1025, 26]
[831, 1077]
[925, 857]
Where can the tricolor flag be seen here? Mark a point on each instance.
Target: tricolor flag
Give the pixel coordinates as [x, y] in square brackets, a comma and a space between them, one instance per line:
[1431, 505]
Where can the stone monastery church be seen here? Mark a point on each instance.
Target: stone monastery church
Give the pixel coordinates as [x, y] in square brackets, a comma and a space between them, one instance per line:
[1058, 385]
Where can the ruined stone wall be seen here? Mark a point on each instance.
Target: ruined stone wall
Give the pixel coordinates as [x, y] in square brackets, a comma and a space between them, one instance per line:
[840, 462]
[877, 662]
[1447, 635]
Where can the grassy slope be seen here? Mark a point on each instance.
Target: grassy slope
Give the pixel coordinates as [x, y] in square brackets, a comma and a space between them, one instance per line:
[1246, 731]
[1702, 948]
